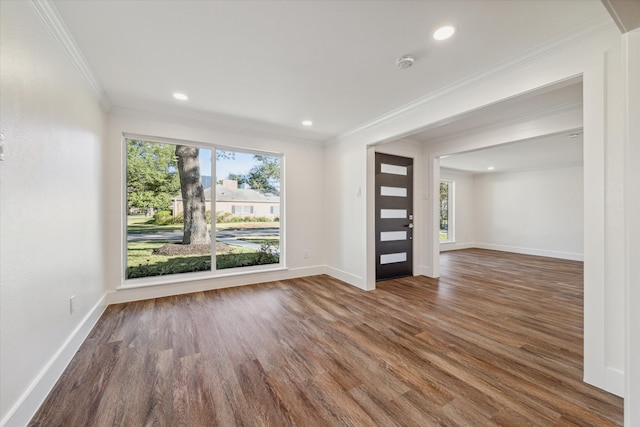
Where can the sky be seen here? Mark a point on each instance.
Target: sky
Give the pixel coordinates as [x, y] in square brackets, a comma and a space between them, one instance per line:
[240, 165]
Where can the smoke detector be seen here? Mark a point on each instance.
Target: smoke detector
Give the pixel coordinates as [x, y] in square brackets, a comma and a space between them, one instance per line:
[405, 61]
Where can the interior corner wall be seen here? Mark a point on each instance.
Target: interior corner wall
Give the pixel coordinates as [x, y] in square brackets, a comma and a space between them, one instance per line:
[50, 211]
[345, 221]
[538, 212]
[464, 209]
[302, 212]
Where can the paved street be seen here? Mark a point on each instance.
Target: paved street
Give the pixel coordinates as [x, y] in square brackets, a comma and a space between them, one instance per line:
[229, 237]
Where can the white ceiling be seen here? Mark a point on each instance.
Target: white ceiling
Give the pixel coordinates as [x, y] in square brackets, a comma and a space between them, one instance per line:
[543, 151]
[271, 64]
[549, 151]
[543, 101]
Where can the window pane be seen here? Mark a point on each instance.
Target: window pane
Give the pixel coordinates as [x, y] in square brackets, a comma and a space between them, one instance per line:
[445, 196]
[168, 209]
[247, 207]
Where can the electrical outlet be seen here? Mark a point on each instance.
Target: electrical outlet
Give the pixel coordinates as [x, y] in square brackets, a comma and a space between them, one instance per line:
[72, 305]
[306, 254]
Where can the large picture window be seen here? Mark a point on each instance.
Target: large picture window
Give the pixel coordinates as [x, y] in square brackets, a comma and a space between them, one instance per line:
[194, 208]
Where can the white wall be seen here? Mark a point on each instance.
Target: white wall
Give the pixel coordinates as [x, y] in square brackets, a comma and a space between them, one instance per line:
[345, 213]
[50, 211]
[464, 209]
[537, 212]
[302, 211]
[533, 212]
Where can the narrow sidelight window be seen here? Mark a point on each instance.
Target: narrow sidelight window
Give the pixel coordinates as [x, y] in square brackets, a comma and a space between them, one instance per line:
[446, 211]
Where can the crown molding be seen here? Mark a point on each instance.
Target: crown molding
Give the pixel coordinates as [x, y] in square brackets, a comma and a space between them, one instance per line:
[58, 28]
[565, 41]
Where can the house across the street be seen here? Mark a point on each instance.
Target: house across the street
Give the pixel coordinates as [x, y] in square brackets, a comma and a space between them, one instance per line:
[238, 201]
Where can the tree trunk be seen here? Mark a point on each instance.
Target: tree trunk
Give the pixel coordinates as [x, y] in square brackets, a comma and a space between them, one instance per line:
[193, 201]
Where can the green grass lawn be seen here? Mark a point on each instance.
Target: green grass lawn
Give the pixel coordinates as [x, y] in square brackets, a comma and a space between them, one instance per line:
[139, 224]
[268, 240]
[142, 262]
[245, 225]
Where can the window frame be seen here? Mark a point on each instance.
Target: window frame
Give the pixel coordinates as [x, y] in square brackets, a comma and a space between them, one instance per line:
[198, 275]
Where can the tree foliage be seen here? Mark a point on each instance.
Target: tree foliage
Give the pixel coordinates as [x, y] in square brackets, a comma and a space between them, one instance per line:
[263, 176]
[152, 178]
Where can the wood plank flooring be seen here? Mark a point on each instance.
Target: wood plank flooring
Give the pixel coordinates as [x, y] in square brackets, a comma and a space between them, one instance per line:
[497, 340]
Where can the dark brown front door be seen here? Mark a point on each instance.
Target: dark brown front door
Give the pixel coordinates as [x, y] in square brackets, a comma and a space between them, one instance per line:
[394, 216]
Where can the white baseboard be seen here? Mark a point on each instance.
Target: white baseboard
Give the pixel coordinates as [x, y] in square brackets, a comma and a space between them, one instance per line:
[615, 381]
[349, 278]
[607, 378]
[423, 270]
[455, 246]
[530, 251]
[29, 403]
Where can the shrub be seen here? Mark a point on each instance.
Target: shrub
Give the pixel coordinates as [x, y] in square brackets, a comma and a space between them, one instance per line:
[266, 255]
[228, 217]
[163, 218]
[178, 219]
[171, 266]
[222, 217]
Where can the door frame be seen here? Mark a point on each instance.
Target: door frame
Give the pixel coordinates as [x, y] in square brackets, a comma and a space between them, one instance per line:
[412, 150]
[381, 201]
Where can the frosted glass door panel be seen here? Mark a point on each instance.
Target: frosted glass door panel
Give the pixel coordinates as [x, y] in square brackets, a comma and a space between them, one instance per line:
[393, 213]
[393, 169]
[390, 236]
[393, 191]
[391, 258]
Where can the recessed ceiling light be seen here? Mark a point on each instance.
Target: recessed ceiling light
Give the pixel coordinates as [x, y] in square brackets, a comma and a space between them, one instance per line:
[490, 168]
[307, 123]
[444, 33]
[573, 135]
[180, 96]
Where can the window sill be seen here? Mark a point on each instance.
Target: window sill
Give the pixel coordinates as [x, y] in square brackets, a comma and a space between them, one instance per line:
[144, 282]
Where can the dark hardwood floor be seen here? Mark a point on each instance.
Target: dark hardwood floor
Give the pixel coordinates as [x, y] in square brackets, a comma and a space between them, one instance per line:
[497, 340]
